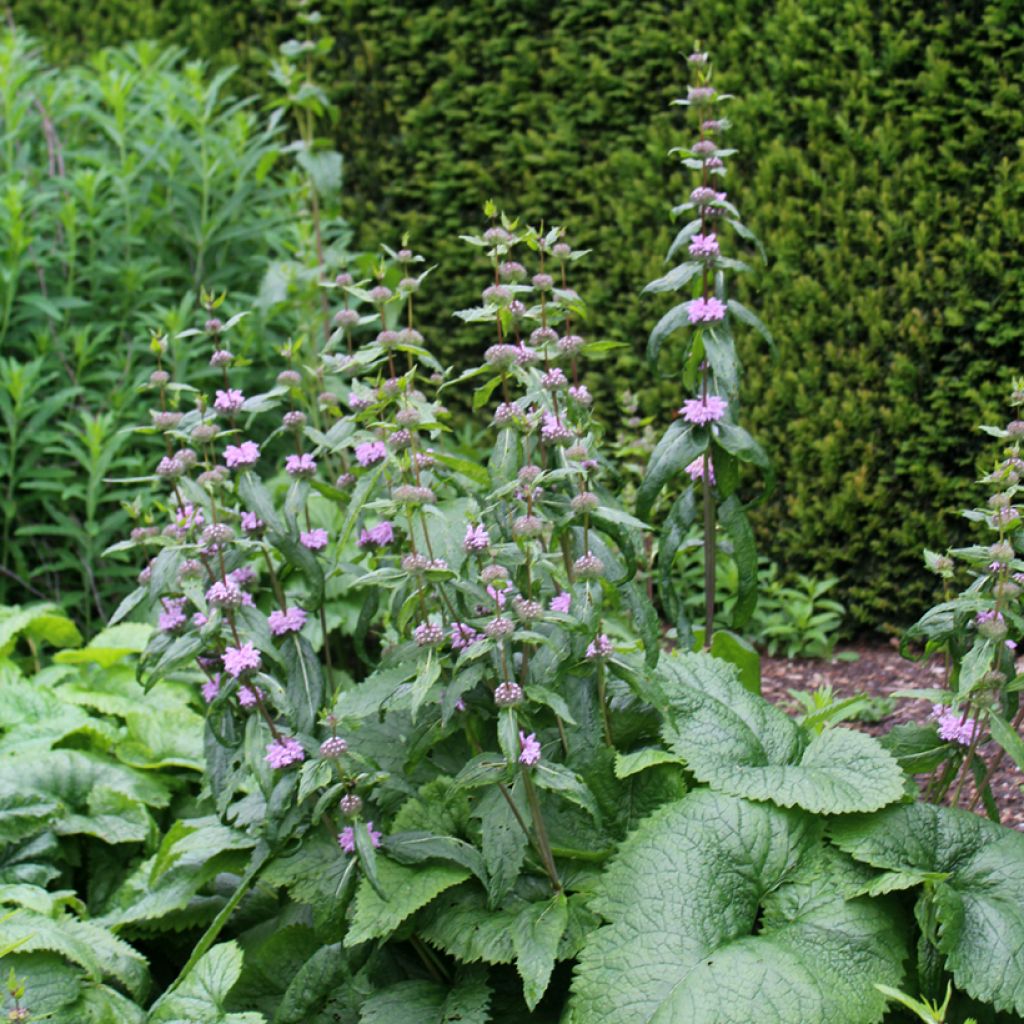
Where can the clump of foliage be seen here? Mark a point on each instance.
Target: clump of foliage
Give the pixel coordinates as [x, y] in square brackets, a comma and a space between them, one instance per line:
[124, 184]
[490, 794]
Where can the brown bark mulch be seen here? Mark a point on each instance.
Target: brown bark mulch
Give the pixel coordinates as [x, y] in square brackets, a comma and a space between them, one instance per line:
[878, 671]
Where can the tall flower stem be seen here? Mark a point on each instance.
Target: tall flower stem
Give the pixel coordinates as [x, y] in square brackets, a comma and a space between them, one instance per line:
[543, 843]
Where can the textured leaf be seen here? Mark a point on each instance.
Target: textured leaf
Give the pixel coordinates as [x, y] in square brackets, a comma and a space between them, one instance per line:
[51, 983]
[536, 936]
[416, 847]
[638, 760]
[201, 996]
[980, 905]
[678, 447]
[503, 840]
[683, 899]
[737, 742]
[407, 888]
[92, 947]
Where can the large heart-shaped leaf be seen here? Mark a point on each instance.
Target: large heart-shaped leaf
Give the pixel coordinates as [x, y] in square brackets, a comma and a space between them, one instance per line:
[719, 913]
[980, 902]
[738, 743]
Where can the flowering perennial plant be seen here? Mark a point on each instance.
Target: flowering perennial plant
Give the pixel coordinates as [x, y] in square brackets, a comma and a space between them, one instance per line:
[439, 713]
[706, 437]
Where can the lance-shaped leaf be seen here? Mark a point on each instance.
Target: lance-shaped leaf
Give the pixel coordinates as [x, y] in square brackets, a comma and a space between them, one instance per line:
[676, 317]
[678, 447]
[738, 743]
[744, 552]
[719, 913]
[980, 902]
[675, 279]
[305, 680]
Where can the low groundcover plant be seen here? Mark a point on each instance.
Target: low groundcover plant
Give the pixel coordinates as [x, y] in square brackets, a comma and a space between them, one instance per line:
[491, 795]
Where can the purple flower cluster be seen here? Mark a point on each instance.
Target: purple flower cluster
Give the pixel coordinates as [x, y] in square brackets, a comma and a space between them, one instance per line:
[703, 310]
[379, 536]
[707, 409]
[290, 620]
[241, 659]
[284, 751]
[240, 455]
[315, 540]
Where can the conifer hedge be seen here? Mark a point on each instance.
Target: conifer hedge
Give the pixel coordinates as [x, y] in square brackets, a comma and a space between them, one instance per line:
[882, 150]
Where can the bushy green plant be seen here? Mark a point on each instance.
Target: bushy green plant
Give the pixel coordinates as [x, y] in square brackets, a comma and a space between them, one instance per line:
[125, 185]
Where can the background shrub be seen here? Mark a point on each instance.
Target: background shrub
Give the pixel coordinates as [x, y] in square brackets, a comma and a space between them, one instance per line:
[886, 142]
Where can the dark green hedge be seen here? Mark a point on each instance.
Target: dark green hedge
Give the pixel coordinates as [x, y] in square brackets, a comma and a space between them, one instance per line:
[881, 162]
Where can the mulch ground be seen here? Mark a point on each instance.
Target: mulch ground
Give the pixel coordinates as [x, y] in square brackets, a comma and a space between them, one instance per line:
[878, 671]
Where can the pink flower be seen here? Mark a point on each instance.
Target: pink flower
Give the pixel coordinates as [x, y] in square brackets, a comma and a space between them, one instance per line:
[315, 540]
[285, 751]
[530, 747]
[704, 246]
[703, 410]
[249, 696]
[290, 621]
[300, 465]
[199, 620]
[173, 615]
[188, 516]
[552, 429]
[244, 454]
[240, 659]
[379, 536]
[463, 636]
[229, 401]
[496, 595]
[370, 452]
[561, 602]
[696, 469]
[600, 647]
[951, 727]
[211, 689]
[347, 838]
[476, 539]
[705, 310]
[251, 523]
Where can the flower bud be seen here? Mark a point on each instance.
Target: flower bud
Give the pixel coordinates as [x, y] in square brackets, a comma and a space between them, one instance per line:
[351, 804]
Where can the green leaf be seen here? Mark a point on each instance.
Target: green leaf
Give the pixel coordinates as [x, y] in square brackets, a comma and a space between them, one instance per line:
[683, 899]
[110, 646]
[92, 947]
[317, 874]
[503, 840]
[429, 673]
[1008, 738]
[678, 447]
[740, 653]
[738, 310]
[416, 847]
[721, 354]
[425, 1002]
[744, 552]
[408, 889]
[979, 905]
[557, 778]
[675, 279]
[638, 760]
[738, 743]
[676, 317]
[305, 681]
[201, 996]
[536, 936]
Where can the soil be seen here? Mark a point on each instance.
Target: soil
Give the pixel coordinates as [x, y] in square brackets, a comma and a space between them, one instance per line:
[878, 671]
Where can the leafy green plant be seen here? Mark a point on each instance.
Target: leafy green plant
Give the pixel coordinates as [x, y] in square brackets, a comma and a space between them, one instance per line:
[124, 184]
[973, 630]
